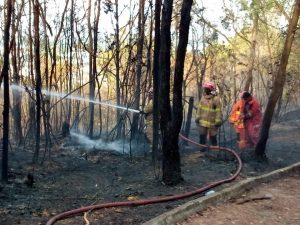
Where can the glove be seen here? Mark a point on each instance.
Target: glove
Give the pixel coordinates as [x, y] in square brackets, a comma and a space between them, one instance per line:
[144, 113]
[242, 117]
[217, 125]
[248, 115]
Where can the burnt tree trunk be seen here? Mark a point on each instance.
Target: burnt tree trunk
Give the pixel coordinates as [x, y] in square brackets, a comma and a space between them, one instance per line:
[117, 63]
[16, 109]
[137, 94]
[5, 77]
[71, 46]
[91, 74]
[95, 40]
[171, 123]
[278, 82]
[169, 161]
[156, 81]
[38, 78]
[31, 104]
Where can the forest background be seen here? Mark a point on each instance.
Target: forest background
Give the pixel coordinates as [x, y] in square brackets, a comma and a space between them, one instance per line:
[63, 52]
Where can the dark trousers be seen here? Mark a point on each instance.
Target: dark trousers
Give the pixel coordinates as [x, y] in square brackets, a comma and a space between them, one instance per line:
[213, 139]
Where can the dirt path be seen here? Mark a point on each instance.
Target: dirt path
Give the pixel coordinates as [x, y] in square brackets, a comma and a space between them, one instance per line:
[274, 203]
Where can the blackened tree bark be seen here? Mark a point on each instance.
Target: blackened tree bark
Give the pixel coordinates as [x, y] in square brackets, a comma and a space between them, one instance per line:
[91, 77]
[16, 109]
[169, 161]
[138, 75]
[32, 112]
[38, 78]
[156, 80]
[171, 119]
[71, 59]
[45, 100]
[5, 76]
[95, 39]
[278, 82]
[117, 63]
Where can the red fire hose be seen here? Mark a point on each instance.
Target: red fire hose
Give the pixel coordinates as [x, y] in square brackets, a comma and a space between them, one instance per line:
[154, 200]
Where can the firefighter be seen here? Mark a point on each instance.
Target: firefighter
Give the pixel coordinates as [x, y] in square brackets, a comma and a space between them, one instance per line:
[236, 119]
[209, 115]
[148, 112]
[246, 118]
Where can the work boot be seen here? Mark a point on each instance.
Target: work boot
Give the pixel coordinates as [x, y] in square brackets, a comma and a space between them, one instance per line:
[238, 137]
[203, 142]
[213, 140]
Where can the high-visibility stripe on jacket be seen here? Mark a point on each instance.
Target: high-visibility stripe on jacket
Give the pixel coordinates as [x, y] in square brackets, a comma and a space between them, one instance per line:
[209, 111]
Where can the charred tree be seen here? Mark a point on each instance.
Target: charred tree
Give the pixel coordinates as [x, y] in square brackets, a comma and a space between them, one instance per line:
[38, 78]
[170, 176]
[45, 100]
[91, 78]
[31, 105]
[156, 81]
[278, 82]
[171, 119]
[177, 109]
[5, 77]
[95, 41]
[71, 59]
[16, 108]
[117, 63]
[138, 75]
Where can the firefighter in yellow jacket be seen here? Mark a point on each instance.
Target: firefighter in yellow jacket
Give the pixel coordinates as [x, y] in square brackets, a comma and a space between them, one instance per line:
[148, 111]
[209, 114]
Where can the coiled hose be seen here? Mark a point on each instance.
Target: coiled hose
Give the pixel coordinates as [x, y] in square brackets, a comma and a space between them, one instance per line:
[159, 199]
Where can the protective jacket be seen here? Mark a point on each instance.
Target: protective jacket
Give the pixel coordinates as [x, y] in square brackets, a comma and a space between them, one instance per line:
[236, 115]
[209, 112]
[148, 110]
[252, 120]
[246, 118]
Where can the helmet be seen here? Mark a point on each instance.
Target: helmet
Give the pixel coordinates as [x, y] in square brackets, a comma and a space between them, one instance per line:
[245, 95]
[209, 85]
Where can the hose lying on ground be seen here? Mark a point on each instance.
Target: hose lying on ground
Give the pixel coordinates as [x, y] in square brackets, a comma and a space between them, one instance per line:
[155, 200]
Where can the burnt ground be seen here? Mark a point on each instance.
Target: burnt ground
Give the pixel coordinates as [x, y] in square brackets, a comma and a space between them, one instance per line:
[77, 176]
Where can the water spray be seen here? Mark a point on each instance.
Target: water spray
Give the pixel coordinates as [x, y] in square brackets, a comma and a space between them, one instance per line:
[73, 97]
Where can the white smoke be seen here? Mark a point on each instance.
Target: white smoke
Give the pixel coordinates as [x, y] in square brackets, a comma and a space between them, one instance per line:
[87, 143]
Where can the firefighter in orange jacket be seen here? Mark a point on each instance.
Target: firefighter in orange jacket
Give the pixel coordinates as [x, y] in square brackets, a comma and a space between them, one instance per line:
[246, 118]
[237, 120]
[209, 114]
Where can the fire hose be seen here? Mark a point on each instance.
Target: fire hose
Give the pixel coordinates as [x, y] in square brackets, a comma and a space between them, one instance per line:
[155, 200]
